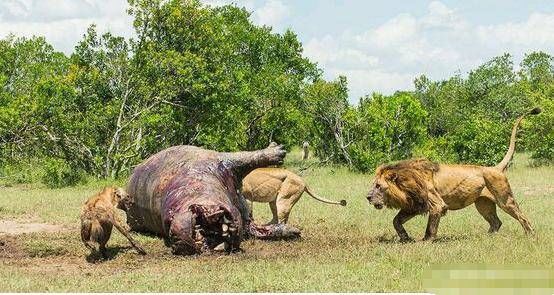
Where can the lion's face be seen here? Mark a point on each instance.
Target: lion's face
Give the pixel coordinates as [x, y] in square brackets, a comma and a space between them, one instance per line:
[376, 196]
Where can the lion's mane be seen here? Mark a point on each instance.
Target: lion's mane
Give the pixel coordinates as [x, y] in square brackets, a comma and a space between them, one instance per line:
[408, 184]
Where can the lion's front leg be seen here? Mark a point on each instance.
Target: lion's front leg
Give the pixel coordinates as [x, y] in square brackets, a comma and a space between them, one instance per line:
[432, 226]
[437, 209]
[398, 223]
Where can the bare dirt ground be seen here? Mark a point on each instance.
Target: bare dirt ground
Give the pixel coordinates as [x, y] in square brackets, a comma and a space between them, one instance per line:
[12, 227]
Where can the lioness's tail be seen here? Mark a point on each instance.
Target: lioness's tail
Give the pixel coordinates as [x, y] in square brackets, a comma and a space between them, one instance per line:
[511, 149]
[341, 202]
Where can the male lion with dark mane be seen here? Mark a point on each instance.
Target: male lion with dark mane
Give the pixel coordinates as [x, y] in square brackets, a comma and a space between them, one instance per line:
[421, 186]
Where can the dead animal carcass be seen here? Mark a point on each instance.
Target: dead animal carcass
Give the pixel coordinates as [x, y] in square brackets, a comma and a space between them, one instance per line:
[188, 196]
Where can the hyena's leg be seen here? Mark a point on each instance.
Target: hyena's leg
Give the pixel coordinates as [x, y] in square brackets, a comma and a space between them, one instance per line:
[86, 226]
[126, 233]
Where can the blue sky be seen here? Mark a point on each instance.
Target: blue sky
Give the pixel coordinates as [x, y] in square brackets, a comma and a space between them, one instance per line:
[381, 46]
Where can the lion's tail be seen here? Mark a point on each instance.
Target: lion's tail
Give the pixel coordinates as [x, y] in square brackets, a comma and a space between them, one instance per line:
[341, 202]
[512, 148]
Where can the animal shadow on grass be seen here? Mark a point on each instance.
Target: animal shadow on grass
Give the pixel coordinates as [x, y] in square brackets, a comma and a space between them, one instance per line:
[111, 253]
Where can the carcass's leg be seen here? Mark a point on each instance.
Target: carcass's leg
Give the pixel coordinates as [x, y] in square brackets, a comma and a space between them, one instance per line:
[244, 162]
[243, 208]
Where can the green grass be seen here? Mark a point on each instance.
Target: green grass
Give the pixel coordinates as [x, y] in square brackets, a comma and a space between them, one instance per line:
[351, 248]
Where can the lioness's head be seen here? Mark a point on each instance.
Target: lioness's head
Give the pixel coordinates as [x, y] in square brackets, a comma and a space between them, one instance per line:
[380, 187]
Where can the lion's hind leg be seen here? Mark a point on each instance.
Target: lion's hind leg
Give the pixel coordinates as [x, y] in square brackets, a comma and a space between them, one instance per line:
[498, 185]
[487, 209]
[274, 213]
[289, 194]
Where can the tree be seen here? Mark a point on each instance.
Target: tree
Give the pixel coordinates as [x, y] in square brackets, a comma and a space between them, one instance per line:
[386, 128]
[234, 85]
[327, 104]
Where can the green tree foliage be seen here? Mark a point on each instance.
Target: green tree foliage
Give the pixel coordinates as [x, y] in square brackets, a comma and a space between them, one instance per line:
[537, 80]
[210, 77]
[386, 128]
[234, 85]
[470, 119]
[196, 75]
[326, 103]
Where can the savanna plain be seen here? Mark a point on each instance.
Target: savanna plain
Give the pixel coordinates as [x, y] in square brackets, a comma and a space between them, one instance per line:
[351, 248]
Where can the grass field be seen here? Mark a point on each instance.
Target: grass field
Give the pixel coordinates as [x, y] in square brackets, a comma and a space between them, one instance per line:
[351, 248]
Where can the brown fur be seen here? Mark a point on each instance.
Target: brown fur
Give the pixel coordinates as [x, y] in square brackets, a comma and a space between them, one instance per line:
[421, 186]
[280, 188]
[410, 185]
[98, 216]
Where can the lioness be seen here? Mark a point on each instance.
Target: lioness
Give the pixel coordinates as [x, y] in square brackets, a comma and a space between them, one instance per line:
[98, 216]
[420, 186]
[281, 188]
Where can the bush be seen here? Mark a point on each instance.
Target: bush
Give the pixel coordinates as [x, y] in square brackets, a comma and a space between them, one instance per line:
[386, 128]
[58, 173]
[18, 173]
[479, 141]
[540, 134]
[436, 149]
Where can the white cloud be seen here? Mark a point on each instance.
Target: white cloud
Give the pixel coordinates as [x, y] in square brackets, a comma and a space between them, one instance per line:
[65, 25]
[439, 44]
[441, 16]
[537, 30]
[64, 22]
[272, 13]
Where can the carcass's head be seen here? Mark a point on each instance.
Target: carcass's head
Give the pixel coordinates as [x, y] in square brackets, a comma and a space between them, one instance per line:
[205, 228]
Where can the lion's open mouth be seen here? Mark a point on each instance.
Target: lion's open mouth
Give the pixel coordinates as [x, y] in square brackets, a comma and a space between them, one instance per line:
[378, 206]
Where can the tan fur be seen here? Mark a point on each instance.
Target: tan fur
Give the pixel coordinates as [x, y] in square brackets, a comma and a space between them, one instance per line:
[98, 216]
[421, 186]
[280, 188]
